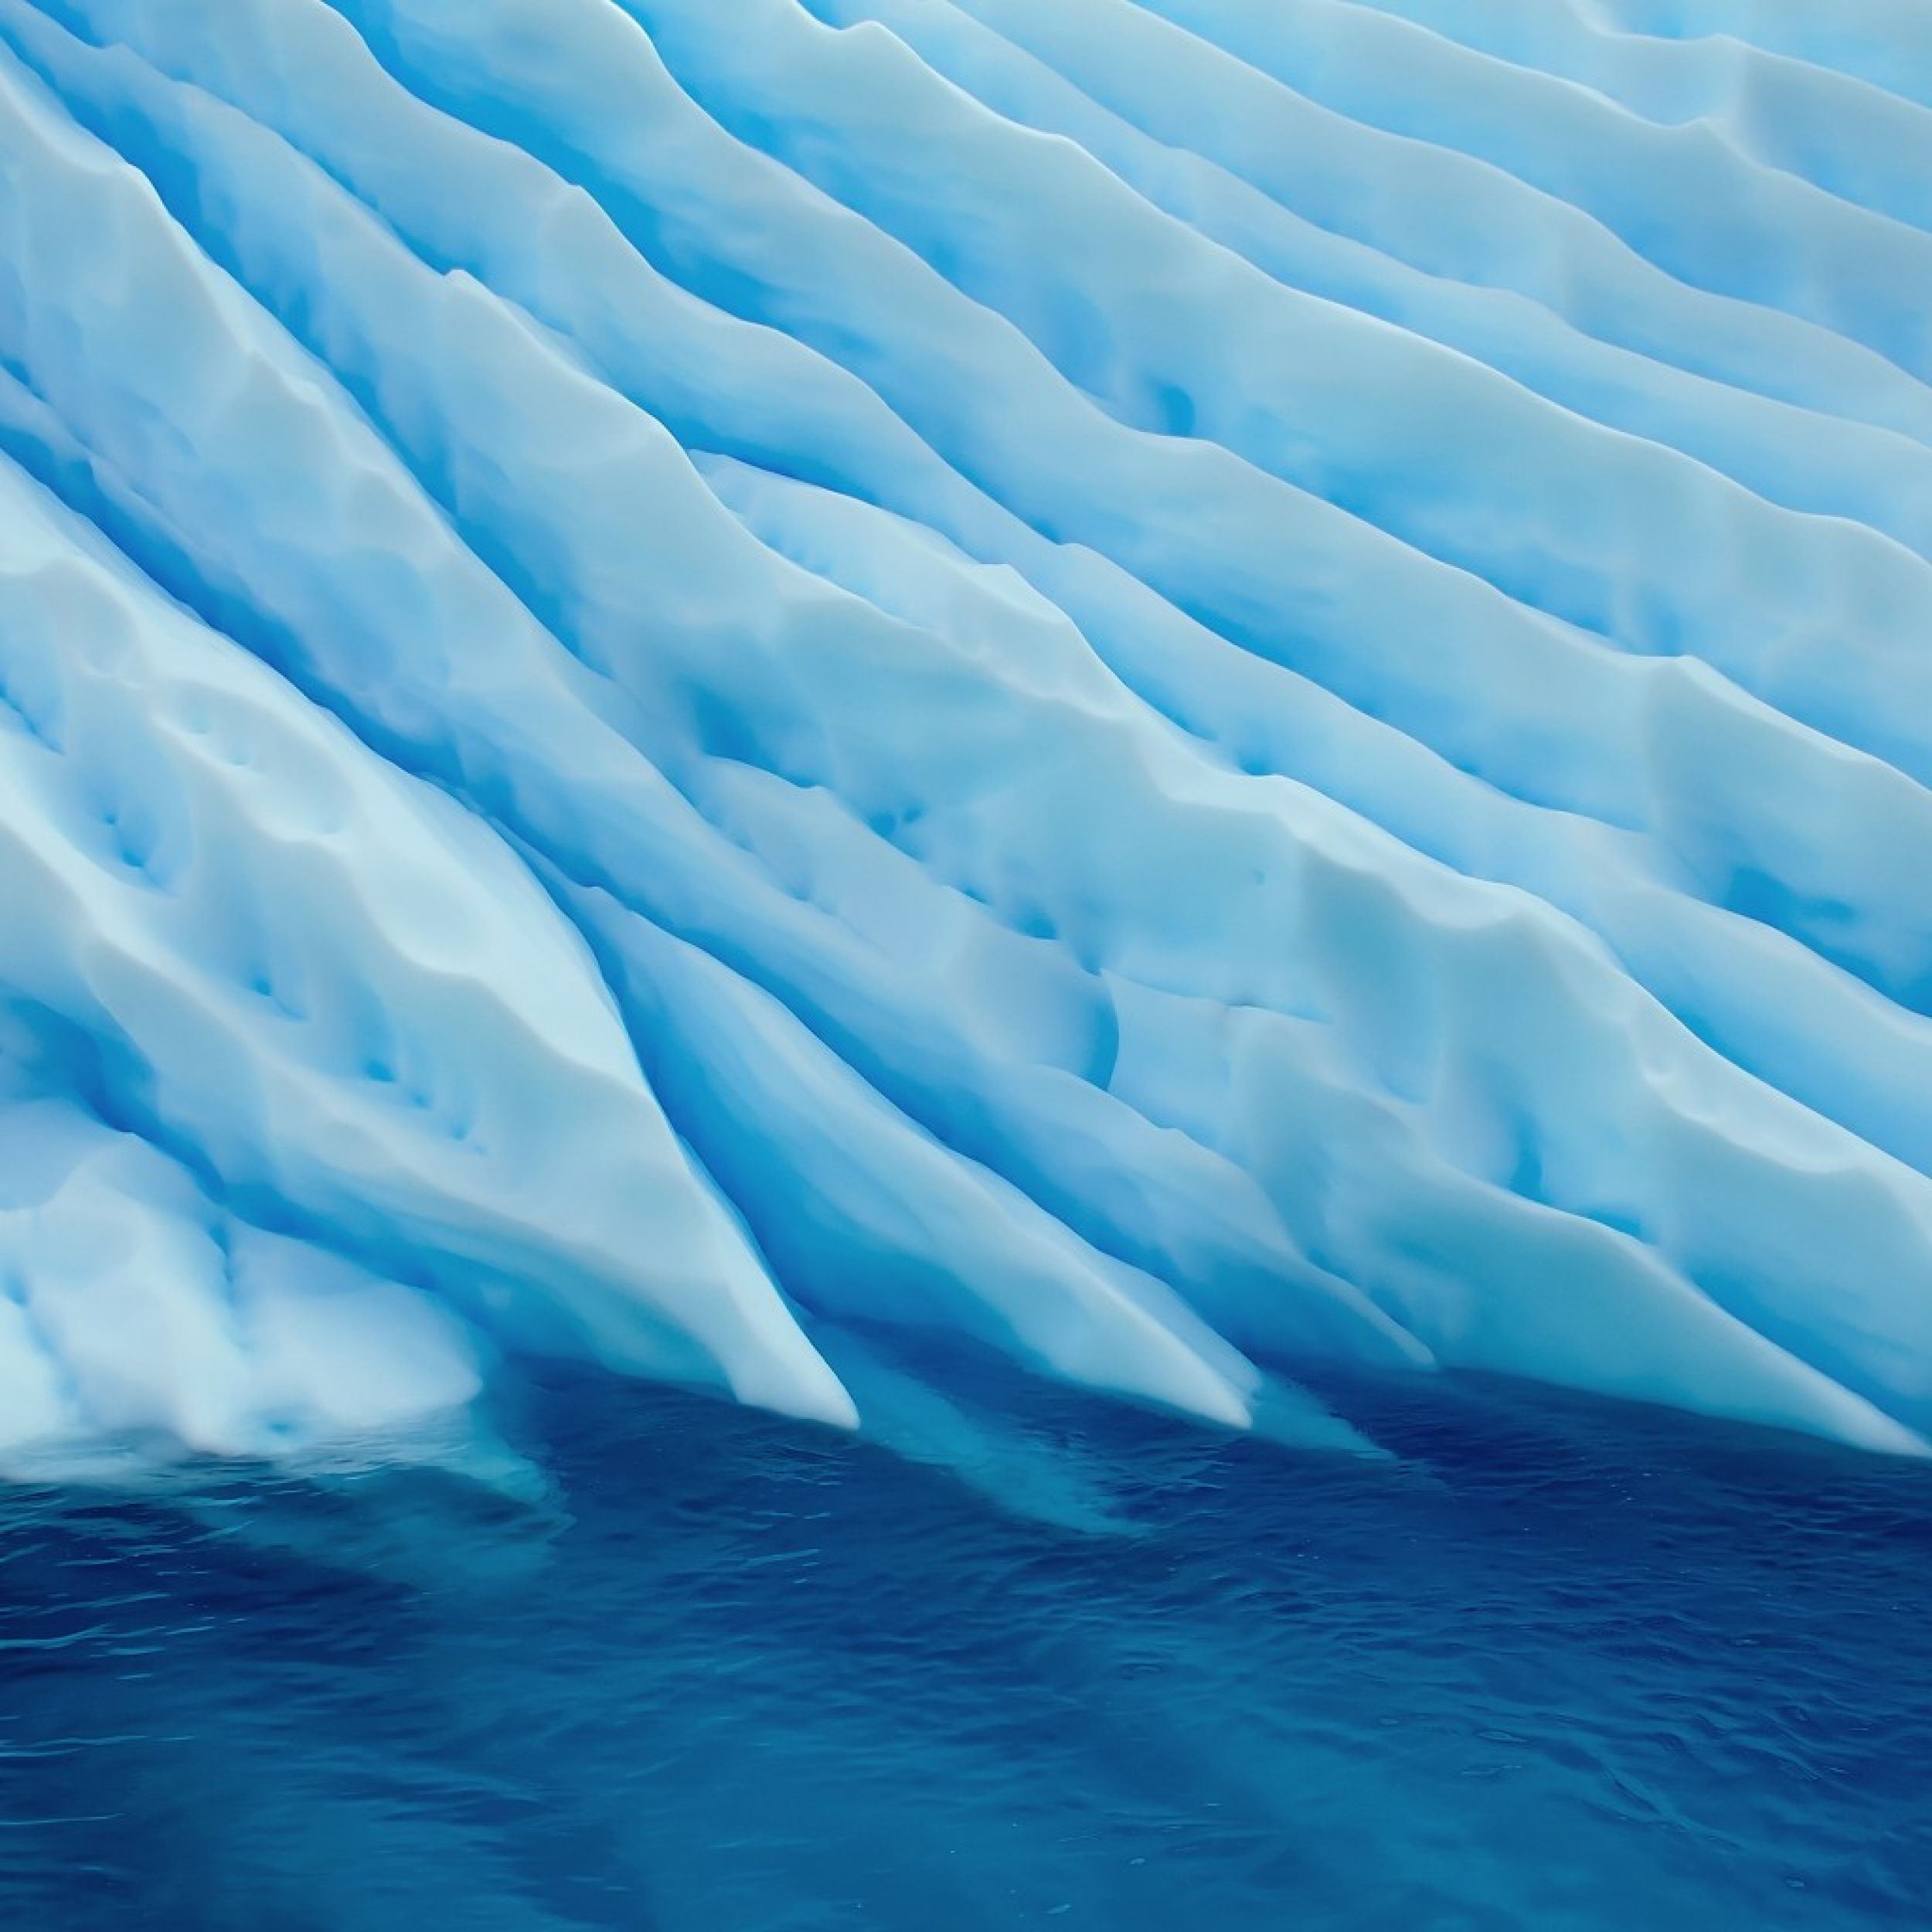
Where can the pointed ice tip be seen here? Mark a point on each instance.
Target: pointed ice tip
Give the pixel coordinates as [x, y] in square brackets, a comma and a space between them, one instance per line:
[1892, 1438]
[1226, 1407]
[798, 1384]
[838, 1410]
[1194, 1389]
[1197, 1371]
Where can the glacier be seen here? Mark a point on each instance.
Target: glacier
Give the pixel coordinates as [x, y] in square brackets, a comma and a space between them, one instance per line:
[1171, 691]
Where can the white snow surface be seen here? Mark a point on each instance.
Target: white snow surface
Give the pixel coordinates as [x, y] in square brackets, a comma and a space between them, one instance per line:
[1178, 690]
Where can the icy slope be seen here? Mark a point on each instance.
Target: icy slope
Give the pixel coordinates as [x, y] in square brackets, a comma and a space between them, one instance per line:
[1177, 689]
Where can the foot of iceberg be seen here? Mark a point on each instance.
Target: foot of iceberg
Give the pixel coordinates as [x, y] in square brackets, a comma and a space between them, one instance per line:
[1174, 692]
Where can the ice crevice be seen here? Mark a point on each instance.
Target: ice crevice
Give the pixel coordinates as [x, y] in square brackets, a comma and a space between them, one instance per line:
[682, 690]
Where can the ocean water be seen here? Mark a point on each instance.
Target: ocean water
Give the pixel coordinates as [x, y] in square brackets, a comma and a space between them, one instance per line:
[1542, 1663]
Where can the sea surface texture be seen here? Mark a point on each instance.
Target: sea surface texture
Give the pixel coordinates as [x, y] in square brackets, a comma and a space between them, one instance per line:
[1555, 1665]
[963, 960]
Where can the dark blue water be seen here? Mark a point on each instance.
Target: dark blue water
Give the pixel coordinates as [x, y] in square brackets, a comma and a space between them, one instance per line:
[1554, 1665]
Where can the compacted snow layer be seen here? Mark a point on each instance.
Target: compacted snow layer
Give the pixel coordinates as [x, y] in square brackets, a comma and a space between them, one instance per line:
[1176, 689]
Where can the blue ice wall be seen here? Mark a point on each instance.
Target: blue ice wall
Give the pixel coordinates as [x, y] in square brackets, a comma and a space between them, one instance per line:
[1175, 690]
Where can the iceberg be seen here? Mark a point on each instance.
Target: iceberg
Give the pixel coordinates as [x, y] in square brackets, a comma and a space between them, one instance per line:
[1177, 692]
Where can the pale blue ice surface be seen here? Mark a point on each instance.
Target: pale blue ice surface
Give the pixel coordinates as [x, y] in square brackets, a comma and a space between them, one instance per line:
[1185, 692]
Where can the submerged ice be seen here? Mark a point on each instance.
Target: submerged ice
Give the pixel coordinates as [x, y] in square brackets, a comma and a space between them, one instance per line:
[1176, 691]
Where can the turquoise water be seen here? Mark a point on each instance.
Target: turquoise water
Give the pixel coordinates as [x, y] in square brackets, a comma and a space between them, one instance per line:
[1546, 1665]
